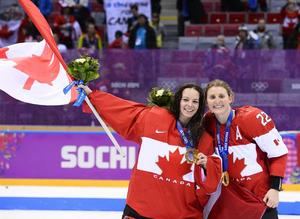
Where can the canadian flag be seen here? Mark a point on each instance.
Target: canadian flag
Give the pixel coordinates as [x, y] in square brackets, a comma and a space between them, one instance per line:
[35, 72]
[233, 201]
[31, 73]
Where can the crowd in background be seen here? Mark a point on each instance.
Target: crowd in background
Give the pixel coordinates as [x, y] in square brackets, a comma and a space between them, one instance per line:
[75, 26]
[194, 12]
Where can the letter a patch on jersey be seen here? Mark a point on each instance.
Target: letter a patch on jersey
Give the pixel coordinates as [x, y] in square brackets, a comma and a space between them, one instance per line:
[238, 134]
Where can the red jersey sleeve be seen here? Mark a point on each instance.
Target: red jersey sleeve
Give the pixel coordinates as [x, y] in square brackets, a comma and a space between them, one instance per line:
[205, 145]
[124, 116]
[260, 127]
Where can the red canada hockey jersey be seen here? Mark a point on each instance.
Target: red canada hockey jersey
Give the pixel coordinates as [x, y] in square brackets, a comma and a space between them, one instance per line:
[256, 149]
[162, 184]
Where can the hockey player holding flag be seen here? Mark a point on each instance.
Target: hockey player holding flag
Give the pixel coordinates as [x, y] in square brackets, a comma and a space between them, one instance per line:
[36, 73]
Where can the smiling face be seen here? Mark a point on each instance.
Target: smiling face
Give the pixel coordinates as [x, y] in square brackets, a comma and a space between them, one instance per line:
[218, 101]
[189, 105]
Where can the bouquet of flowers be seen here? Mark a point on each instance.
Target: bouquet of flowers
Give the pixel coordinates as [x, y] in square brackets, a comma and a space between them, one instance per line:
[84, 69]
[160, 96]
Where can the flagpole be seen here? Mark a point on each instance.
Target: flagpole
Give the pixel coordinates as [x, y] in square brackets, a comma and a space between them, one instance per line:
[104, 126]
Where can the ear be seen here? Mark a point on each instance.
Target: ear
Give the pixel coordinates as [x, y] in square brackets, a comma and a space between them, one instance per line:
[231, 98]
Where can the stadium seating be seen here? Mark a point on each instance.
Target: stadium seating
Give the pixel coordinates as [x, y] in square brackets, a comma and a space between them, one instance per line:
[242, 17]
[254, 17]
[237, 18]
[230, 29]
[212, 30]
[208, 30]
[218, 18]
[193, 30]
[273, 18]
[211, 6]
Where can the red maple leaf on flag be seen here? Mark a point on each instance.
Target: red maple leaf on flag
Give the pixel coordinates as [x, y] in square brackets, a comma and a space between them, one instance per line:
[237, 166]
[39, 68]
[3, 53]
[173, 168]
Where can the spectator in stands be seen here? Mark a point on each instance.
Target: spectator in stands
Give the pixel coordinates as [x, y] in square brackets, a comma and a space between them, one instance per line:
[142, 35]
[189, 10]
[12, 12]
[253, 5]
[232, 5]
[219, 51]
[159, 29]
[118, 43]
[72, 3]
[246, 39]
[290, 13]
[61, 47]
[265, 37]
[289, 2]
[27, 31]
[10, 20]
[67, 27]
[133, 20]
[292, 56]
[82, 14]
[294, 39]
[244, 54]
[155, 6]
[219, 62]
[90, 40]
[45, 7]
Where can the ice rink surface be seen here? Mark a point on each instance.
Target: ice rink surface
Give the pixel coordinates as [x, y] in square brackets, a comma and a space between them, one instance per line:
[45, 202]
[77, 215]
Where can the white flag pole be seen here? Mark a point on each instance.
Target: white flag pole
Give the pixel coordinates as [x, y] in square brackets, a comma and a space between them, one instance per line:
[104, 126]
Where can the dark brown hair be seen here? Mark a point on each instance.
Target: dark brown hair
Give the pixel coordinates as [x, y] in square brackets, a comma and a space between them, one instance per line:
[195, 124]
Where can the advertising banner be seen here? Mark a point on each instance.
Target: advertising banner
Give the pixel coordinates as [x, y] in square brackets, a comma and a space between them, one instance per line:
[64, 155]
[88, 156]
[118, 12]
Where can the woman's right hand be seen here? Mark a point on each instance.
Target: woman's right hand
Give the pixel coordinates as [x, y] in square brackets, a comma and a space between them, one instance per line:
[86, 89]
[202, 160]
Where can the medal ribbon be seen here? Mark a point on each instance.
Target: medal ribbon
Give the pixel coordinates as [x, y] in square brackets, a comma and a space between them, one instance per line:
[223, 148]
[187, 140]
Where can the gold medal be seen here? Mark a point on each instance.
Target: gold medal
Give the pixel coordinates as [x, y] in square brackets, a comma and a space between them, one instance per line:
[191, 155]
[225, 178]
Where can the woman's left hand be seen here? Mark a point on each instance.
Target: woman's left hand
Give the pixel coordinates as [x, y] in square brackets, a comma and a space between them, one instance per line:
[272, 198]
